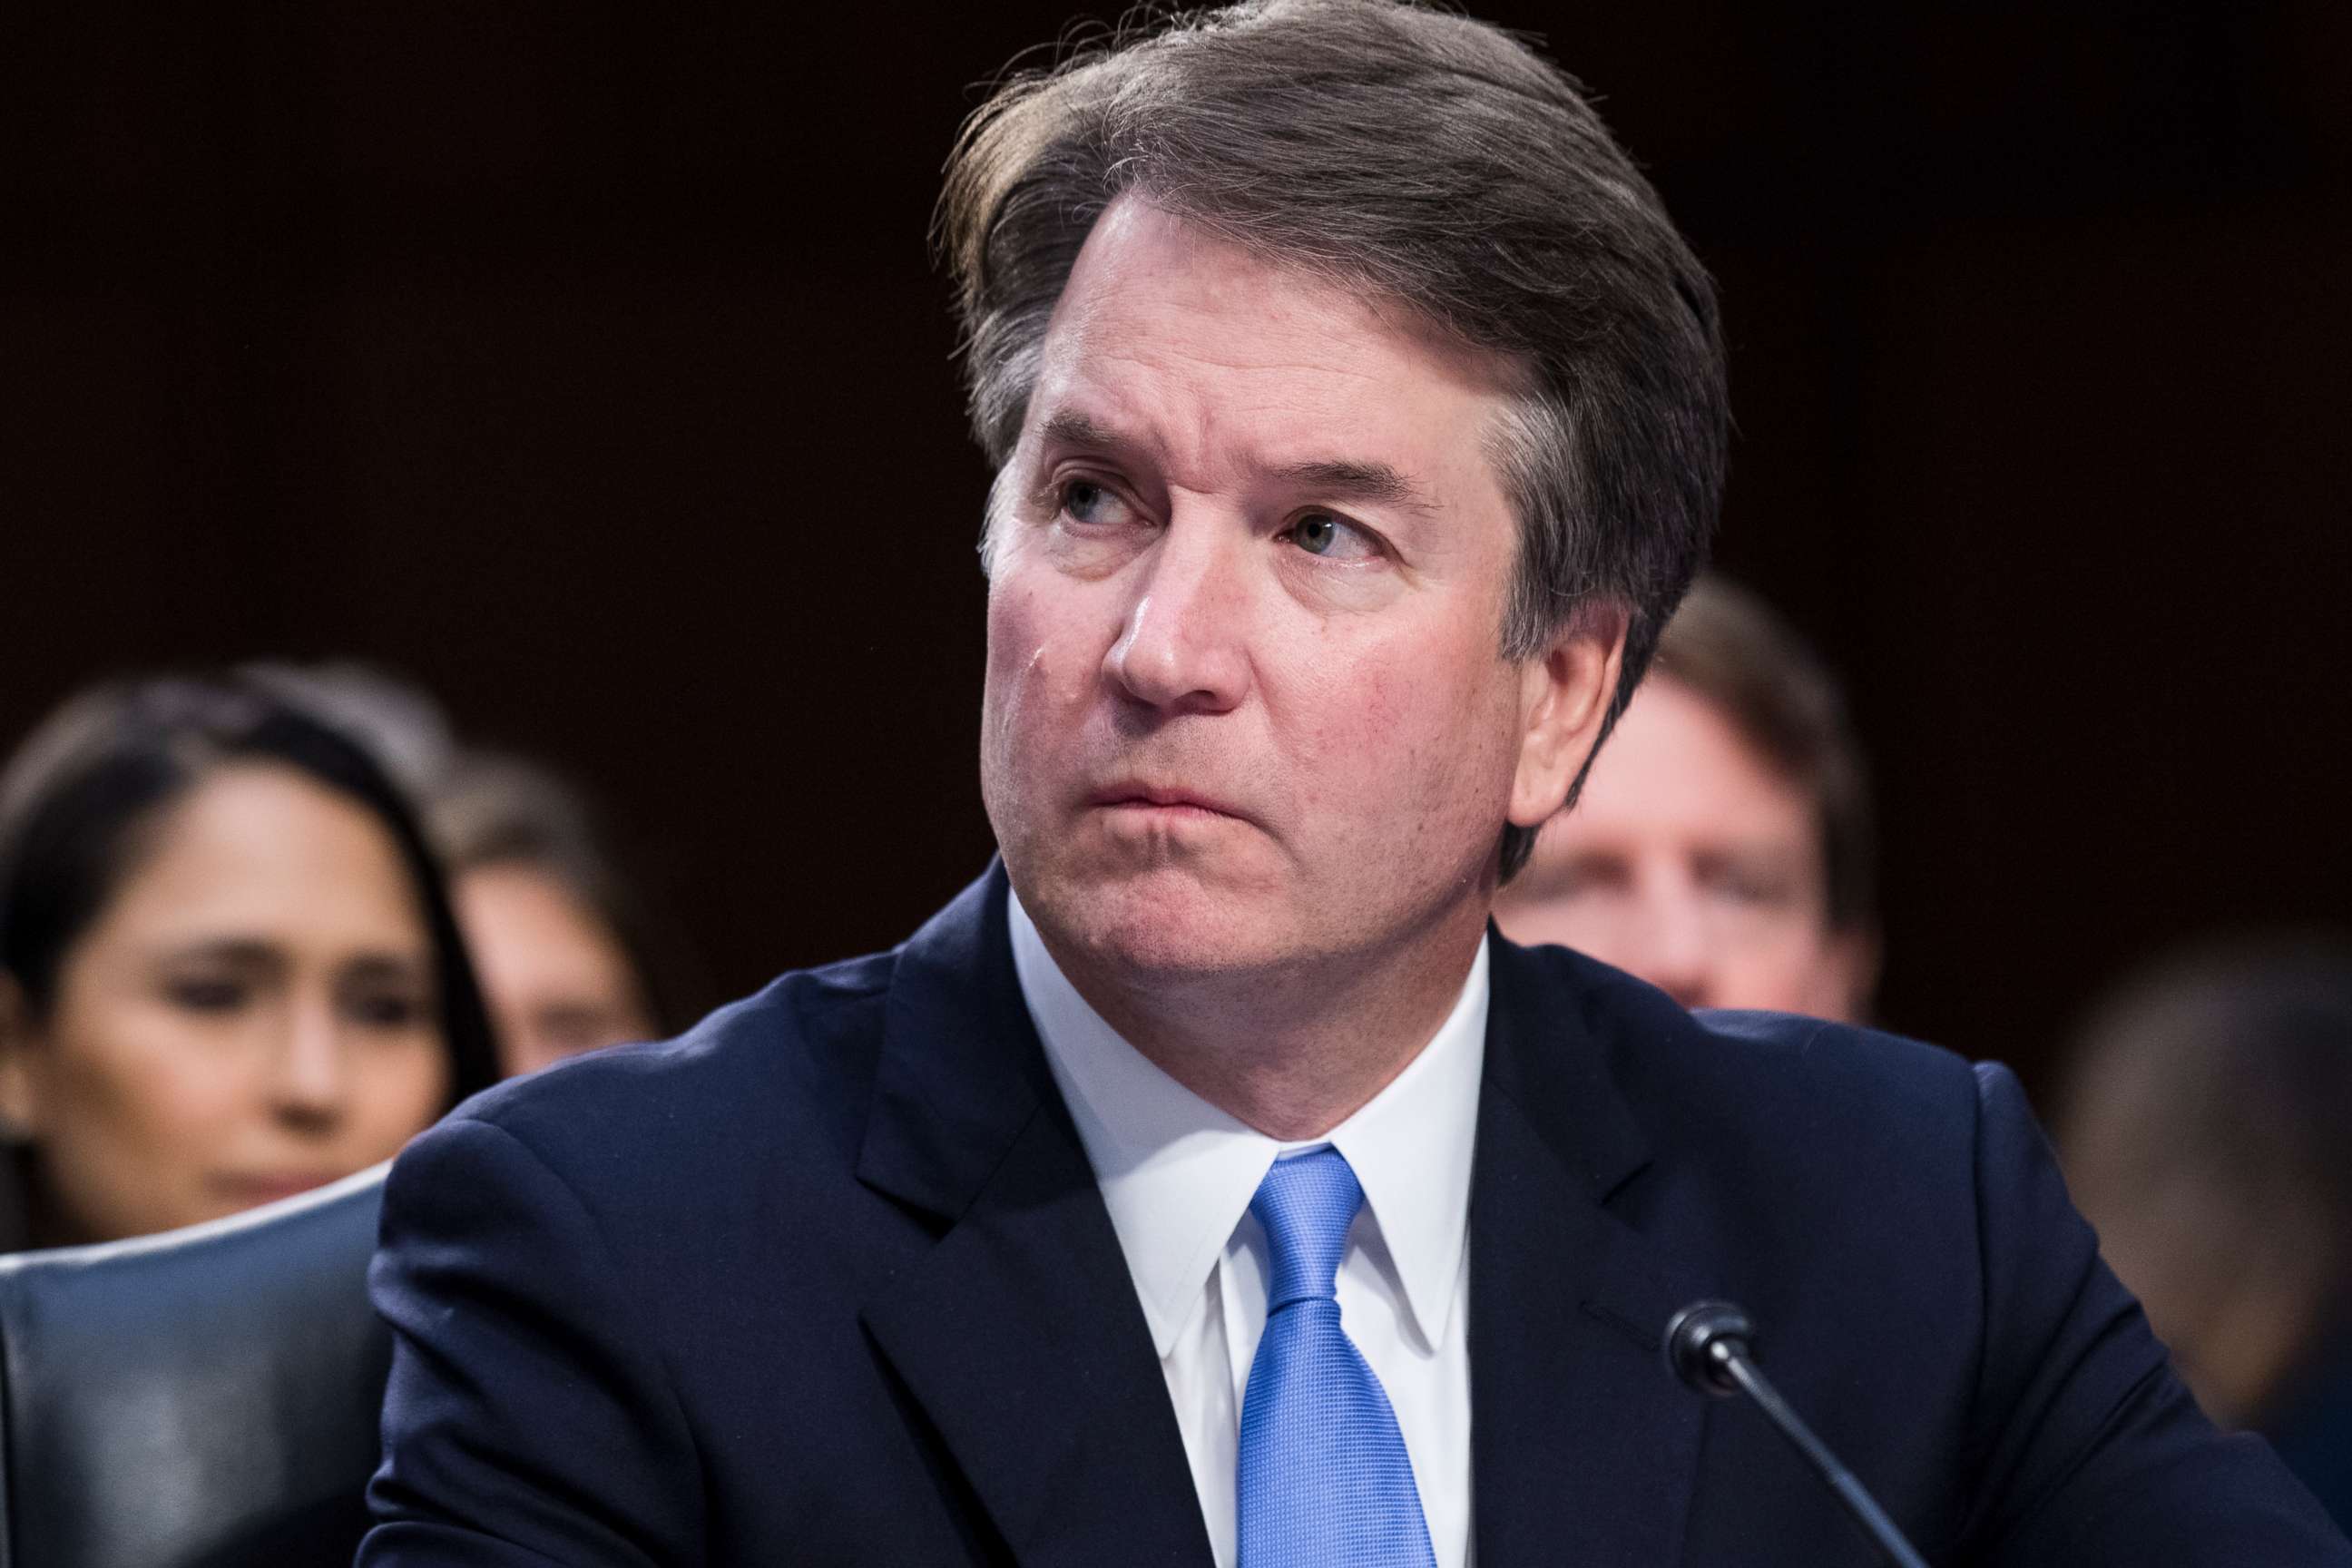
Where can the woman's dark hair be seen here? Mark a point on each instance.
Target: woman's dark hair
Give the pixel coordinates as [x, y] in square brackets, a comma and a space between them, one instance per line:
[484, 808]
[81, 797]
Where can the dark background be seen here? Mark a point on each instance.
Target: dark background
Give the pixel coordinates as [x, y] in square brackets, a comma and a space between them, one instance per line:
[585, 361]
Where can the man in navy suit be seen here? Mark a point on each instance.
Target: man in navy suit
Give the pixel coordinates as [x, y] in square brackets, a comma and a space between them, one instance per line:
[1208, 1183]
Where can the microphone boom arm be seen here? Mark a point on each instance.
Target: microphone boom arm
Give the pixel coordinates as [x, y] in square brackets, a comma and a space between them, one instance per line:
[1708, 1346]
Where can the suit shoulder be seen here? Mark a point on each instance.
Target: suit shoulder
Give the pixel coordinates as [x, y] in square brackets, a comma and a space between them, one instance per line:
[1782, 1153]
[1649, 1038]
[794, 1060]
[1817, 1056]
[1764, 1090]
[1865, 1134]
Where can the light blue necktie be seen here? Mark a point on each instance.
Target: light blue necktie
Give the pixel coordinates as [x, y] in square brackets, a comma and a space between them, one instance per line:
[1324, 1477]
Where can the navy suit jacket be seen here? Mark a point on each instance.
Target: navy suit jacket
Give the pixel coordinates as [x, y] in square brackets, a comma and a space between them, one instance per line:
[829, 1281]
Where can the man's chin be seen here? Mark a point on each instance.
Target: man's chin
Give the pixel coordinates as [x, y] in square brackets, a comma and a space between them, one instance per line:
[1163, 921]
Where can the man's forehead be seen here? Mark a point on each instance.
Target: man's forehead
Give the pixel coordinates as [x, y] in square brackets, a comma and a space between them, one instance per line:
[1174, 345]
[1222, 303]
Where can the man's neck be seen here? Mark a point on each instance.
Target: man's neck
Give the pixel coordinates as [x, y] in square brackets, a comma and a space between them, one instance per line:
[1295, 1051]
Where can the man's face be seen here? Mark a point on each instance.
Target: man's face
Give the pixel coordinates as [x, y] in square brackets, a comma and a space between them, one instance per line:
[1690, 862]
[1246, 703]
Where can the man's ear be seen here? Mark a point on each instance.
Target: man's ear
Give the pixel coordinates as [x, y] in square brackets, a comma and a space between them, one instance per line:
[19, 1094]
[1564, 696]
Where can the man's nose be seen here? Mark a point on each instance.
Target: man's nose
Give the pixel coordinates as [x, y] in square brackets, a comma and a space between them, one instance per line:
[1676, 949]
[1184, 645]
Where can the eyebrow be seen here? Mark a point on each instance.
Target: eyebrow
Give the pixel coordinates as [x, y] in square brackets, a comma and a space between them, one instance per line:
[1332, 478]
[1343, 479]
[241, 952]
[258, 954]
[373, 966]
[1068, 427]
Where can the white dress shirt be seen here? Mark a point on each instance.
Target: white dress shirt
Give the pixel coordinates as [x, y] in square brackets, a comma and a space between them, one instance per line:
[1177, 1174]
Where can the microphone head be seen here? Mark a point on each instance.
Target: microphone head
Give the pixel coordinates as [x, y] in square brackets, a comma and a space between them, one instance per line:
[1699, 1335]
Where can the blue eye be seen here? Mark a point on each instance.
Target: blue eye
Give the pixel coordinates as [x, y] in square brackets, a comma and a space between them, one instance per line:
[1321, 533]
[1096, 504]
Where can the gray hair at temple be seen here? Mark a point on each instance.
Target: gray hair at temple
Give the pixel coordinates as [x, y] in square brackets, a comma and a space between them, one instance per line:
[1413, 156]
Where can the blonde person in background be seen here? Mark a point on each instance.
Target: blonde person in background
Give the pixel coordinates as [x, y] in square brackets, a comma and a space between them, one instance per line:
[1723, 846]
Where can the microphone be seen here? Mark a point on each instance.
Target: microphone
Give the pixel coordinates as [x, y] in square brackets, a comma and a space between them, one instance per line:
[1710, 1346]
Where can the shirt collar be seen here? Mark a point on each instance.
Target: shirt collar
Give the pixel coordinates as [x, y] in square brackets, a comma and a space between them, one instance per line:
[1178, 1173]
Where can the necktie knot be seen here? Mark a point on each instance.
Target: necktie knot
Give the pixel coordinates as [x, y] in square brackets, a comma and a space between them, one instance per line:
[1307, 1205]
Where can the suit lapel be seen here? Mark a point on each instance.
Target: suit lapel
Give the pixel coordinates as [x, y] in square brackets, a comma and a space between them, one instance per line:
[1584, 1447]
[1018, 1332]
[1020, 1336]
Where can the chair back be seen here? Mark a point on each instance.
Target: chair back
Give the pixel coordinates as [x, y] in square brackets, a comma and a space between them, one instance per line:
[204, 1398]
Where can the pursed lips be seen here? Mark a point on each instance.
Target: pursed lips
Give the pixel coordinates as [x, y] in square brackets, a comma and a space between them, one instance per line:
[1134, 795]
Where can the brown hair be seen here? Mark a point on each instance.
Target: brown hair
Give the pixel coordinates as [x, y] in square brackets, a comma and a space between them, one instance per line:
[1409, 155]
[1728, 646]
[489, 808]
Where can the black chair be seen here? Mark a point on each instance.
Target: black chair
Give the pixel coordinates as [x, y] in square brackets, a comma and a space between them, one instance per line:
[197, 1399]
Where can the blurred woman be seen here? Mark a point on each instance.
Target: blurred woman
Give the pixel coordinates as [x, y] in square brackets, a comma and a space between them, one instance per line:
[229, 967]
[570, 959]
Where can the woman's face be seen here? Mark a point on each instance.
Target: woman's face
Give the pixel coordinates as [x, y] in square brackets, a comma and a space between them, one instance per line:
[555, 975]
[252, 1015]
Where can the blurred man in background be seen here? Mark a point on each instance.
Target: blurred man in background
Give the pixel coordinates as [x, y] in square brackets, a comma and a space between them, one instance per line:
[2207, 1133]
[1723, 847]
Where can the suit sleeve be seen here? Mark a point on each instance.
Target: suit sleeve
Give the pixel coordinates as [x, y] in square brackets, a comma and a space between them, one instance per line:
[2091, 1451]
[529, 1419]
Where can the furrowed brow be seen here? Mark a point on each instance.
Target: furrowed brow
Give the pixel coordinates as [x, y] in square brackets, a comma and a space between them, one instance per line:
[1344, 480]
[1328, 478]
[1069, 428]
